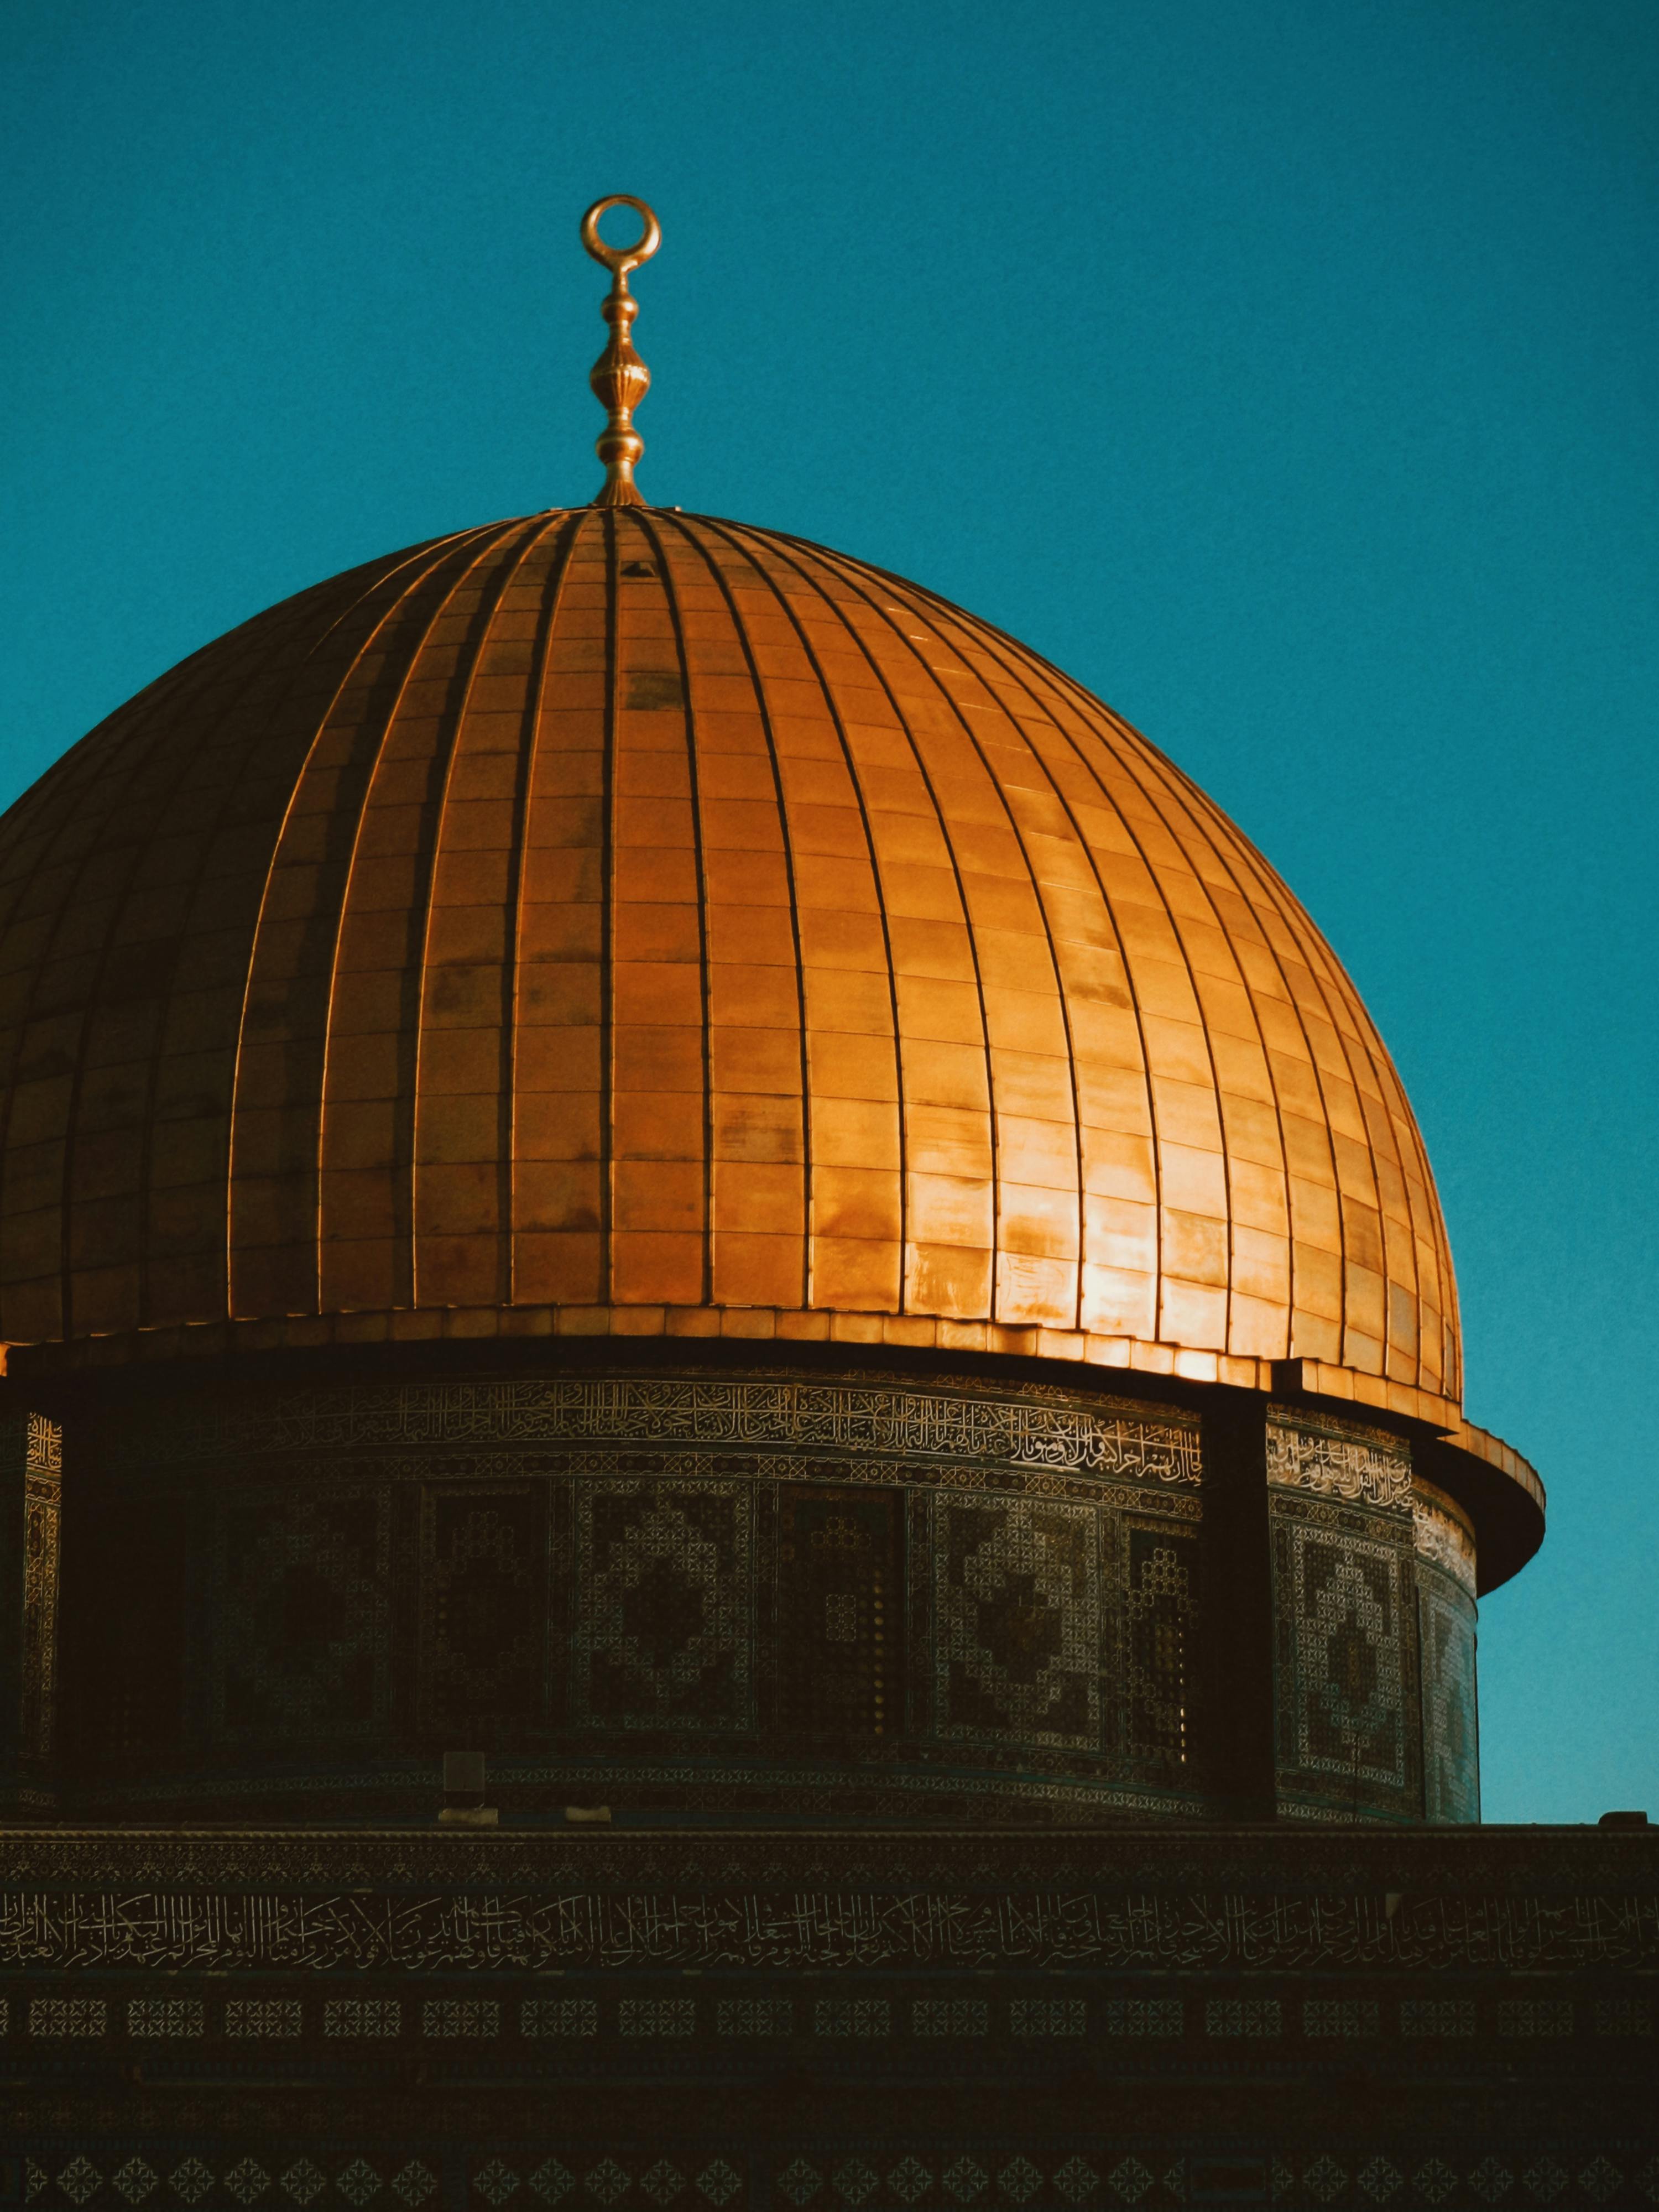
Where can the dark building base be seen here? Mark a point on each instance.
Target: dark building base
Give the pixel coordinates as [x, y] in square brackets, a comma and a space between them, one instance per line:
[973, 2022]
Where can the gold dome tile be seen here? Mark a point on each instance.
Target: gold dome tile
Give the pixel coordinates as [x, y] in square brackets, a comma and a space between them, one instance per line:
[626, 922]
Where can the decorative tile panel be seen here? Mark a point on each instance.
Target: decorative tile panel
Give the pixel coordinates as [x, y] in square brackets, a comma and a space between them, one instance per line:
[477, 2018]
[345, 2017]
[666, 1609]
[559, 2016]
[852, 2016]
[1623, 2016]
[674, 2017]
[839, 1613]
[1248, 2017]
[1451, 1769]
[1039, 2016]
[1531, 2018]
[166, 2016]
[770, 2016]
[1157, 2019]
[1452, 2016]
[1161, 1620]
[1446, 1641]
[263, 2017]
[1326, 2017]
[484, 1617]
[76, 2016]
[1016, 1621]
[950, 2016]
[1342, 1667]
[304, 1619]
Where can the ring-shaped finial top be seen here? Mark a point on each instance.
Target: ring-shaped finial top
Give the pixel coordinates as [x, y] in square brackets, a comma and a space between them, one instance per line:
[619, 259]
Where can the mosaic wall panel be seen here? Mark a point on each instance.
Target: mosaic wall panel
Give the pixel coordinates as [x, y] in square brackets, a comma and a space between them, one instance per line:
[839, 1622]
[484, 1612]
[1446, 1644]
[303, 1616]
[1016, 1621]
[1344, 1671]
[31, 1482]
[665, 1605]
[1161, 1648]
[661, 1585]
[1451, 1766]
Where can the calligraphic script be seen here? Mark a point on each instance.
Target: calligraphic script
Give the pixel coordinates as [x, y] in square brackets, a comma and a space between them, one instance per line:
[953, 1424]
[885, 1929]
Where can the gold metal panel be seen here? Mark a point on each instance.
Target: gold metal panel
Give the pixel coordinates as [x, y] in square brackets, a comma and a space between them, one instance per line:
[596, 841]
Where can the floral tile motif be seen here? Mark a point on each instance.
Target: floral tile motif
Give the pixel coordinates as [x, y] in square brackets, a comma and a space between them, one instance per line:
[666, 2016]
[755, 2016]
[1519, 2017]
[260, 2017]
[965, 2178]
[950, 2016]
[1034, 2016]
[1159, 2018]
[1426, 2016]
[362, 2016]
[558, 2016]
[1328, 2017]
[1251, 2017]
[165, 2016]
[477, 2018]
[76, 2016]
[852, 2016]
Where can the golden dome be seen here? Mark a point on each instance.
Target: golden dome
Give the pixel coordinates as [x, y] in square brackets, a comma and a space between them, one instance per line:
[622, 921]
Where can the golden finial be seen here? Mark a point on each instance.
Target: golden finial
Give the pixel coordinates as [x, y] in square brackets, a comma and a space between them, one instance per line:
[619, 377]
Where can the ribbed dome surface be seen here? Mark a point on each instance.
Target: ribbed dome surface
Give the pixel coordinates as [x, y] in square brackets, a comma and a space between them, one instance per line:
[634, 922]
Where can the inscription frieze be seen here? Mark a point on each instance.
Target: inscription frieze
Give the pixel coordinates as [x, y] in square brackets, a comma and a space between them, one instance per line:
[890, 1420]
[1445, 1543]
[815, 1930]
[1367, 1468]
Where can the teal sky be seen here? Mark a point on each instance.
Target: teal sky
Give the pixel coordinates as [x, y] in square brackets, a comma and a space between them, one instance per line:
[1285, 372]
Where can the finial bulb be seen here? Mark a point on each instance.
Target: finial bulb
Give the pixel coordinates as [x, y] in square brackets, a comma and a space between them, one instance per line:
[619, 378]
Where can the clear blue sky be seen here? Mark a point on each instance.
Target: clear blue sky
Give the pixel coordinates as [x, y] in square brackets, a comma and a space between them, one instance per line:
[1287, 372]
